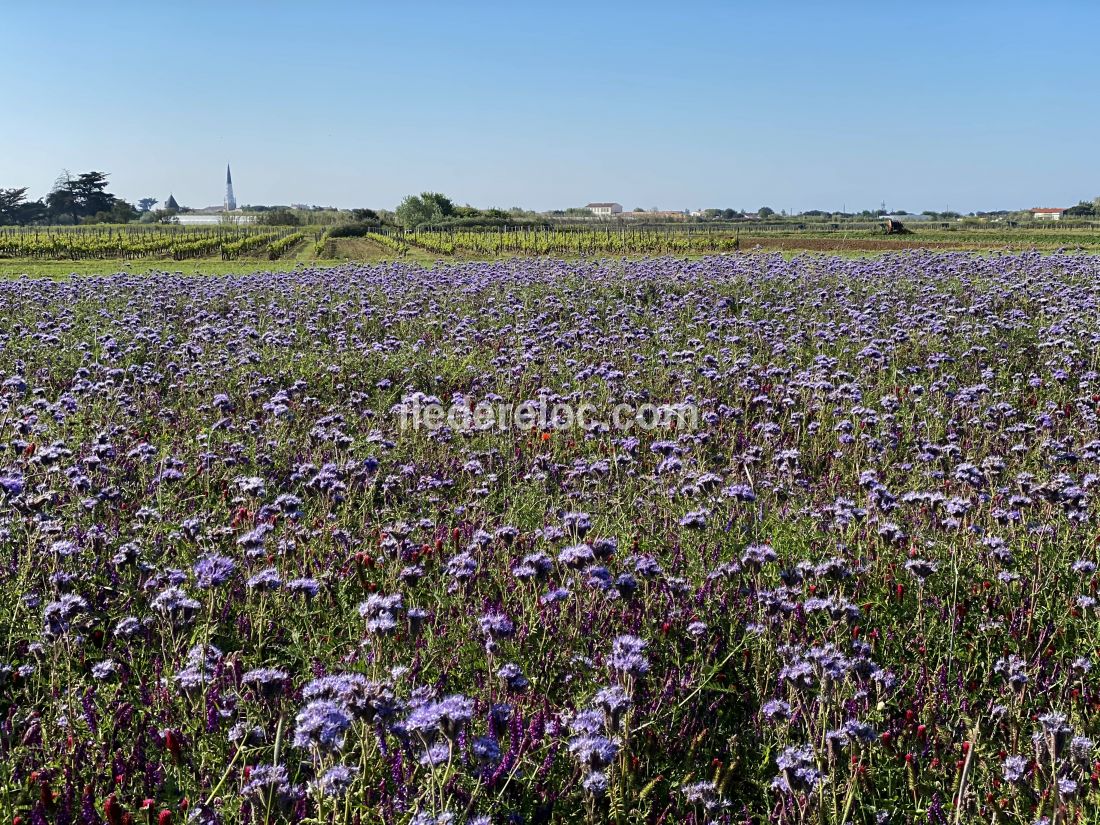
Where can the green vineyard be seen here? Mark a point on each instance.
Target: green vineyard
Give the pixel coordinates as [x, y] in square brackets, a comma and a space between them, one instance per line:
[126, 243]
[352, 241]
[573, 242]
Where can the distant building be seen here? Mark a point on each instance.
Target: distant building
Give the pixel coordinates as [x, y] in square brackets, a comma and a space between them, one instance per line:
[1047, 214]
[171, 203]
[208, 219]
[656, 215]
[604, 210]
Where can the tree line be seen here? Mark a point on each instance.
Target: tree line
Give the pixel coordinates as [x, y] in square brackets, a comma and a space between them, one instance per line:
[433, 209]
[84, 198]
[81, 198]
[1084, 209]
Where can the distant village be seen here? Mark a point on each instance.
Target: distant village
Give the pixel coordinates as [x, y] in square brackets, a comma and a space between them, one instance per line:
[1042, 213]
[84, 199]
[228, 211]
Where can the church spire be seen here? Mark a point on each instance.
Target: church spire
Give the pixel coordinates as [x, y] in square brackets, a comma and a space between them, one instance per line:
[230, 201]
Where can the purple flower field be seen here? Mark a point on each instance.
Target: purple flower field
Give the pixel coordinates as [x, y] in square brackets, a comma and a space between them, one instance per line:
[861, 588]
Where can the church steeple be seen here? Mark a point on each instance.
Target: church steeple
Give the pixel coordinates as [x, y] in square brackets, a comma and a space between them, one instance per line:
[230, 201]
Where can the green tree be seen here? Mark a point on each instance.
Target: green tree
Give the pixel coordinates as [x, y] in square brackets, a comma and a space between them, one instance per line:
[16, 210]
[84, 196]
[279, 217]
[439, 203]
[425, 208]
[1082, 210]
[10, 201]
[466, 211]
[366, 216]
[120, 212]
[61, 201]
[90, 191]
[145, 204]
[765, 212]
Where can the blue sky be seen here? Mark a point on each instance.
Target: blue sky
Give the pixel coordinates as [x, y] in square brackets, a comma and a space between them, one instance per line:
[923, 105]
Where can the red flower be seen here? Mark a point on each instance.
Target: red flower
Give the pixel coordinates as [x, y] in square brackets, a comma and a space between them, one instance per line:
[173, 743]
[113, 810]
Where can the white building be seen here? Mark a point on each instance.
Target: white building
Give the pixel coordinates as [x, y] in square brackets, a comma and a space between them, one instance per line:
[1047, 214]
[605, 210]
[199, 219]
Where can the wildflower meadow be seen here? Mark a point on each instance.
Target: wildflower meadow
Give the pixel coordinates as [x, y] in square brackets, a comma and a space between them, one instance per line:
[856, 585]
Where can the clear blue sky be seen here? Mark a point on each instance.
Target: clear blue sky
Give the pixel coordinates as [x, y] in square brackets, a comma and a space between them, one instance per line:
[794, 105]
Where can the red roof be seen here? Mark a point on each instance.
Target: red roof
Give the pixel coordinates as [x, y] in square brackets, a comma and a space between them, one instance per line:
[1048, 210]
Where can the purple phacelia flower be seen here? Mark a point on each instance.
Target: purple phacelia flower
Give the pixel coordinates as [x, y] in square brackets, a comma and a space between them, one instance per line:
[267, 579]
[213, 570]
[381, 612]
[322, 724]
[303, 587]
[335, 781]
[627, 656]
[462, 566]
[576, 556]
